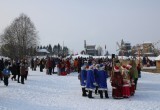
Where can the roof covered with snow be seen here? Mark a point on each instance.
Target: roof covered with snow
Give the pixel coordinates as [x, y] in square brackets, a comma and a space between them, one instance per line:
[81, 55]
[157, 58]
[42, 50]
[147, 42]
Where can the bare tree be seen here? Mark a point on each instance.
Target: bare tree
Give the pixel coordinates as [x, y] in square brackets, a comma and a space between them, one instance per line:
[19, 37]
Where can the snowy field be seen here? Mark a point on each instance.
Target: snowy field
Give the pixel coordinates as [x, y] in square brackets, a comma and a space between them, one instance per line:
[44, 92]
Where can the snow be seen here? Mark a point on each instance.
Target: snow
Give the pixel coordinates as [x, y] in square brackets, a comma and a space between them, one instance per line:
[152, 67]
[96, 57]
[81, 55]
[147, 42]
[157, 58]
[4, 57]
[52, 92]
[42, 50]
[123, 57]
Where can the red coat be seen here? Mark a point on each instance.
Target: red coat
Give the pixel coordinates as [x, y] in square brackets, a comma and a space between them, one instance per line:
[117, 84]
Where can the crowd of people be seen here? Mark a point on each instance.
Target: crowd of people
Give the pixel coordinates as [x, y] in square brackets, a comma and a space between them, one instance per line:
[93, 73]
[18, 69]
[123, 78]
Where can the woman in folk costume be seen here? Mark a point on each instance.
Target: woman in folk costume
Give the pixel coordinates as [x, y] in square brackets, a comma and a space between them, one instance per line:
[63, 71]
[102, 78]
[90, 85]
[83, 78]
[126, 81]
[135, 73]
[68, 66]
[117, 83]
[96, 69]
[132, 85]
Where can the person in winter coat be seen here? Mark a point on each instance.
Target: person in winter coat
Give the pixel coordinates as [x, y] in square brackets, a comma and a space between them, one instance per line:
[83, 78]
[117, 83]
[59, 68]
[139, 70]
[1, 68]
[35, 64]
[32, 64]
[22, 71]
[131, 75]
[134, 73]
[26, 70]
[49, 66]
[63, 68]
[53, 65]
[102, 76]
[14, 70]
[41, 64]
[6, 74]
[18, 70]
[96, 69]
[68, 66]
[90, 85]
[76, 65]
[126, 81]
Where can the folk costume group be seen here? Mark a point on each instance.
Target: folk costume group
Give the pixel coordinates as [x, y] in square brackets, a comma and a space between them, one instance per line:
[123, 79]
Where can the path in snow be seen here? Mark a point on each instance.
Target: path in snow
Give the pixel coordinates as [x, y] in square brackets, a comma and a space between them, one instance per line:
[44, 92]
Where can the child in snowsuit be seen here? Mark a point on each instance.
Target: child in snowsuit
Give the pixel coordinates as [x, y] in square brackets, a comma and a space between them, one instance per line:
[6, 74]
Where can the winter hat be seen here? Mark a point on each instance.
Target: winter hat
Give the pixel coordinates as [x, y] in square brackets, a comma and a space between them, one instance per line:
[97, 65]
[129, 66]
[83, 67]
[123, 67]
[116, 69]
[90, 66]
[102, 67]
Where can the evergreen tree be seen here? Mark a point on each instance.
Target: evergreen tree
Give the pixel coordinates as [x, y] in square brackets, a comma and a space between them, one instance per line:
[41, 47]
[50, 48]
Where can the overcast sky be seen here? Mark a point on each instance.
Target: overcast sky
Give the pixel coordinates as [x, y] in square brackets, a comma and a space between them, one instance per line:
[99, 22]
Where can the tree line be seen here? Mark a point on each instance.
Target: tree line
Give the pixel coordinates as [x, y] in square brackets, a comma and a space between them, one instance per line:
[56, 49]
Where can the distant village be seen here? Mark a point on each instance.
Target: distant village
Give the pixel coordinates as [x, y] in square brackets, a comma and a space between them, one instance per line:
[147, 49]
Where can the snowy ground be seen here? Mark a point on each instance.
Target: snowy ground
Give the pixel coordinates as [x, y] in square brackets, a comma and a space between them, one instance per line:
[44, 92]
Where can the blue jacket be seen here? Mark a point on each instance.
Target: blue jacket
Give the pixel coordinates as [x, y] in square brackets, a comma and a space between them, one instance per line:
[102, 77]
[6, 72]
[83, 77]
[96, 76]
[90, 80]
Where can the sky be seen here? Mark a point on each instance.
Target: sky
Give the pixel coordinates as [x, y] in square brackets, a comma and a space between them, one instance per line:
[99, 22]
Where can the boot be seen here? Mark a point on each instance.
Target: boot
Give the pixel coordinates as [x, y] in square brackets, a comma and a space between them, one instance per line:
[101, 94]
[106, 94]
[84, 92]
[96, 91]
[90, 94]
